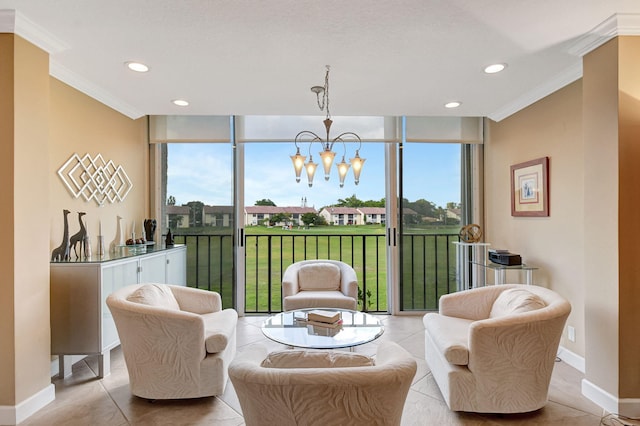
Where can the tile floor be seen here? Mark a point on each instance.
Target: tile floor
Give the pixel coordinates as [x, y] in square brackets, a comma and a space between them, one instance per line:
[83, 399]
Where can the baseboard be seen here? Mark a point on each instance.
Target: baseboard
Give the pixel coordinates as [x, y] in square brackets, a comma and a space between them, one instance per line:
[627, 407]
[571, 358]
[12, 415]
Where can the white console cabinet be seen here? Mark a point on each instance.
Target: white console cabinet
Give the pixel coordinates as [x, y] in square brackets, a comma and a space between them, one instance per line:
[81, 323]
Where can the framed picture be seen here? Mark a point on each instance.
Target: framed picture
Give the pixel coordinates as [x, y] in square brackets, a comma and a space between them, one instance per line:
[530, 188]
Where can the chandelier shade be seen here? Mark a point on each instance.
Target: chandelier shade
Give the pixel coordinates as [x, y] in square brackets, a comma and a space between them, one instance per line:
[343, 168]
[357, 164]
[326, 155]
[310, 167]
[298, 163]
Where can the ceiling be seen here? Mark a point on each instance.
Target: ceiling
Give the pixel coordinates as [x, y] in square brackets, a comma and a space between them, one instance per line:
[250, 57]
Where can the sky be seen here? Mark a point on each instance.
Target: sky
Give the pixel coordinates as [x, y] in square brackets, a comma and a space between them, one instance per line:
[203, 172]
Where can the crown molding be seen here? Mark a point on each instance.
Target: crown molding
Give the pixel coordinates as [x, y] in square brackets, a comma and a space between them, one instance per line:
[14, 22]
[619, 24]
[566, 77]
[77, 82]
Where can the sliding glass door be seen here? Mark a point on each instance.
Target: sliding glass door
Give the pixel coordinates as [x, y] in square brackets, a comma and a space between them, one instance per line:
[429, 216]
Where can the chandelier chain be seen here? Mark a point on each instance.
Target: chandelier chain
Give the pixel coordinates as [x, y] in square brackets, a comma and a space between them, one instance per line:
[325, 94]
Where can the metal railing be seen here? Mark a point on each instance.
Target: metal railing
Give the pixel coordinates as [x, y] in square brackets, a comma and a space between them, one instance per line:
[428, 266]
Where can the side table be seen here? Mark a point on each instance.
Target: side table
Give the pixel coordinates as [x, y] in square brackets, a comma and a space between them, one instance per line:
[500, 271]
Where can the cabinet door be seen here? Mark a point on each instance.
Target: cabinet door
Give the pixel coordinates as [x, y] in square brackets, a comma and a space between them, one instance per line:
[177, 266]
[152, 269]
[114, 277]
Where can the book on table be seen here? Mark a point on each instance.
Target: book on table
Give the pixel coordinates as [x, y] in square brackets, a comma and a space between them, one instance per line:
[319, 315]
[323, 330]
[335, 324]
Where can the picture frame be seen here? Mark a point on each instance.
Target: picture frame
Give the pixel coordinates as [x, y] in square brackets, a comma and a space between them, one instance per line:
[530, 188]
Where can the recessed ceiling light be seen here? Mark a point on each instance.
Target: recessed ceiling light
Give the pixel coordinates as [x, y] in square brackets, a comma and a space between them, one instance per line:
[137, 66]
[494, 68]
[180, 102]
[454, 104]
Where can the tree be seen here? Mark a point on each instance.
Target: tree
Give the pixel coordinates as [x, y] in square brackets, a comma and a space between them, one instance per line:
[195, 213]
[451, 205]
[279, 217]
[265, 202]
[309, 218]
[352, 201]
[175, 221]
[171, 201]
[423, 207]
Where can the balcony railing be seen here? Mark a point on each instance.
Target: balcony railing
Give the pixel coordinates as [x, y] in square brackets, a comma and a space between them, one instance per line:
[428, 266]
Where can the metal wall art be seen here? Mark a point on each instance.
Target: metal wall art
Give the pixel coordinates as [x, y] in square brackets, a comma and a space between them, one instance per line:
[95, 179]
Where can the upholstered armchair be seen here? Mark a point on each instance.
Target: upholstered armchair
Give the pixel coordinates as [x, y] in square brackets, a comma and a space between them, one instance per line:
[177, 341]
[300, 387]
[492, 349]
[319, 284]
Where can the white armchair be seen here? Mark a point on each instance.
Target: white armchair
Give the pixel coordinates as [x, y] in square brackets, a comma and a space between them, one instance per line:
[319, 284]
[492, 349]
[299, 387]
[177, 341]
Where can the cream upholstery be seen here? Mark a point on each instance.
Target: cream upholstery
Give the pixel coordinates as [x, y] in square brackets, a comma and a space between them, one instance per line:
[492, 349]
[319, 284]
[177, 341]
[297, 387]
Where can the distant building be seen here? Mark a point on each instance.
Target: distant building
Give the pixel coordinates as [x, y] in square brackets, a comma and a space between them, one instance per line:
[454, 214]
[255, 215]
[341, 216]
[177, 216]
[217, 216]
[375, 215]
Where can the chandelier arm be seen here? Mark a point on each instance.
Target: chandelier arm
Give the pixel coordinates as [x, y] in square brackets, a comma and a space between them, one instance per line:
[316, 138]
[339, 138]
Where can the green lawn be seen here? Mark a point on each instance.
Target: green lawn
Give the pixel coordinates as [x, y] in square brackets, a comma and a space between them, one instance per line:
[426, 262]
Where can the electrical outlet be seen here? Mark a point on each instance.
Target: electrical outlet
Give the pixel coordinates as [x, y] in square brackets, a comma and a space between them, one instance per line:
[571, 332]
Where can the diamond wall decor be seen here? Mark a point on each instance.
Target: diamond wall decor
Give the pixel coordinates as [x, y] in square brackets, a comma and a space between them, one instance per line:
[94, 178]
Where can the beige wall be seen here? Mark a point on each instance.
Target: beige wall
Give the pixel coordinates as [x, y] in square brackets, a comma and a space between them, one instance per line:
[550, 128]
[24, 161]
[42, 123]
[629, 207]
[82, 125]
[612, 156]
[587, 248]
[7, 357]
[601, 160]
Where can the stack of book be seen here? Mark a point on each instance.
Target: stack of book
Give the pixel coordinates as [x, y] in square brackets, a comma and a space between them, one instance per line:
[320, 318]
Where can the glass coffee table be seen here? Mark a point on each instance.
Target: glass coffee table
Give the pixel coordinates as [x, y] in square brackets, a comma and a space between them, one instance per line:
[291, 328]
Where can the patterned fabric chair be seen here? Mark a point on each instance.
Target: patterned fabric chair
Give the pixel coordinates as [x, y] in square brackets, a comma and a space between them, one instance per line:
[492, 349]
[305, 387]
[319, 284]
[177, 341]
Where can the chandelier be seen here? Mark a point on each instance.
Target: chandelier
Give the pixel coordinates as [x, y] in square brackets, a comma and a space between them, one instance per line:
[327, 155]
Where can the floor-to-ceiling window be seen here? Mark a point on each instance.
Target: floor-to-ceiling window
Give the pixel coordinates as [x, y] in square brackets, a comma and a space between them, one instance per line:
[215, 200]
[196, 204]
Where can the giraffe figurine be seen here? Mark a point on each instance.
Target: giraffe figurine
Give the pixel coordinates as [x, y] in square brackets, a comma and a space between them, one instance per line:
[61, 252]
[78, 237]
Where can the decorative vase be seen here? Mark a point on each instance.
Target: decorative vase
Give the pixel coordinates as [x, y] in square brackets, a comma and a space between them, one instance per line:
[118, 240]
[149, 228]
